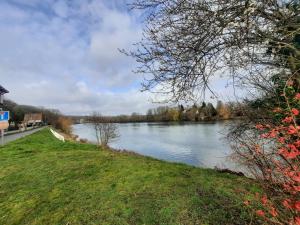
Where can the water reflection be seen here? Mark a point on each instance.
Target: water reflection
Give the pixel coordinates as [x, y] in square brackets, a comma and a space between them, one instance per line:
[197, 144]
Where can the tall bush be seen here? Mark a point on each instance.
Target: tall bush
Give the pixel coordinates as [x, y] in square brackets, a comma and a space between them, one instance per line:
[272, 154]
[64, 124]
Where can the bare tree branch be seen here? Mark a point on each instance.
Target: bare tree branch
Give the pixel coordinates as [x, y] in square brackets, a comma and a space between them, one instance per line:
[188, 42]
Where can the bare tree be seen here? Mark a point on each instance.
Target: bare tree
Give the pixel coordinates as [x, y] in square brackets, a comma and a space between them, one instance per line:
[105, 131]
[188, 42]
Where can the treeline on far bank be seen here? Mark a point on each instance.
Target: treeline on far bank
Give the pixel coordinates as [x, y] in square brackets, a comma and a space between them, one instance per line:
[202, 112]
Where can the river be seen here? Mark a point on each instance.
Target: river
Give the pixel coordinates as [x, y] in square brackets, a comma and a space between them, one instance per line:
[197, 144]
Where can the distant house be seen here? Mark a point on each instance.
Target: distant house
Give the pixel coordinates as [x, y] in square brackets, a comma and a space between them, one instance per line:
[33, 119]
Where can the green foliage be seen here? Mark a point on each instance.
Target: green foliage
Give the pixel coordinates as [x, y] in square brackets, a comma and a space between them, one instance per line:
[45, 181]
[17, 112]
[275, 99]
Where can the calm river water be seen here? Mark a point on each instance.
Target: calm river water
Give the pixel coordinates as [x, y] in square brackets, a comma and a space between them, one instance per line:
[197, 144]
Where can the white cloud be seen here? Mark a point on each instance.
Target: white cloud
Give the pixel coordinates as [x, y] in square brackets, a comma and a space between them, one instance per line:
[66, 56]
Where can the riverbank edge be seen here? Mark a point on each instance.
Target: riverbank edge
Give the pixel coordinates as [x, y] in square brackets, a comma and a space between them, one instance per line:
[75, 138]
[128, 157]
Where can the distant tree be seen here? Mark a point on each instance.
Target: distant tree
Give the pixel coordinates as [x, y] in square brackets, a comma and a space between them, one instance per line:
[9, 105]
[161, 113]
[191, 114]
[203, 105]
[223, 110]
[134, 114]
[210, 110]
[134, 117]
[181, 112]
[181, 108]
[150, 116]
[173, 114]
[50, 116]
[219, 107]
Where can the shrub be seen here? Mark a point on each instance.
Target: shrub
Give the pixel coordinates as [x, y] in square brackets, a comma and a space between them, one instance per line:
[64, 124]
[274, 160]
[105, 131]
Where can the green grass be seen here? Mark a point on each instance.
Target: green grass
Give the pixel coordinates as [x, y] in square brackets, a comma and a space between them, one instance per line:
[44, 181]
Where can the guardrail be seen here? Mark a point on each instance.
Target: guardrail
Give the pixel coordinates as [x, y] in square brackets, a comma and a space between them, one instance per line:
[57, 135]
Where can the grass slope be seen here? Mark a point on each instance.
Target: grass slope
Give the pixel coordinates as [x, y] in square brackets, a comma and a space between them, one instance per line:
[44, 181]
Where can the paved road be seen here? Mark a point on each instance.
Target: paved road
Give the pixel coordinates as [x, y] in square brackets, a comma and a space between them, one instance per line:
[13, 137]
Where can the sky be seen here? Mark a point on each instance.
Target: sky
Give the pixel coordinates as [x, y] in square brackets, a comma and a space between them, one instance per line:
[63, 54]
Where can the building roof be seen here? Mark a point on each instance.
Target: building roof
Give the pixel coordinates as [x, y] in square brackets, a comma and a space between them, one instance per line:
[3, 90]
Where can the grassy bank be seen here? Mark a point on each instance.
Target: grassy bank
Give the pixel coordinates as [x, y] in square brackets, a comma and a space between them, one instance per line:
[44, 181]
